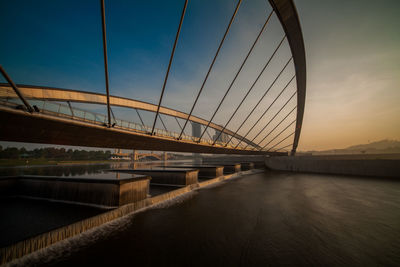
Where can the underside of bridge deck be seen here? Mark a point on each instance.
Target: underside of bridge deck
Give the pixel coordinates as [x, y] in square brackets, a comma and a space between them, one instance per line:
[21, 126]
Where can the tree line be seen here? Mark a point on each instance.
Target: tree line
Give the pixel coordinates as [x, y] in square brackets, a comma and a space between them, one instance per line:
[53, 153]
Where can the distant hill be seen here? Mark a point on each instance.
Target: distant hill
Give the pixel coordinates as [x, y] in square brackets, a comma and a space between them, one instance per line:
[378, 147]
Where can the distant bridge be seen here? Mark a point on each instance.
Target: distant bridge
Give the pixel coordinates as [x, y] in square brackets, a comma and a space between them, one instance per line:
[45, 115]
[139, 155]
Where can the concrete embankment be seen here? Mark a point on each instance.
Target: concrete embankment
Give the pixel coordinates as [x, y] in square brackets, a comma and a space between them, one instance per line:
[44, 240]
[338, 164]
[257, 161]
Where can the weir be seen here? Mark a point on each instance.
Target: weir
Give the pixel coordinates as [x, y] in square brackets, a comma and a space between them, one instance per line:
[107, 192]
[205, 171]
[245, 166]
[176, 176]
[45, 239]
[230, 168]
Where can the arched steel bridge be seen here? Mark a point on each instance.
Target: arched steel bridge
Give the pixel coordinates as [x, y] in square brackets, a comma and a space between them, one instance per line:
[45, 115]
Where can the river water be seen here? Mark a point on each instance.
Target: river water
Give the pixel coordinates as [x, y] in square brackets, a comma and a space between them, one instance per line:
[265, 219]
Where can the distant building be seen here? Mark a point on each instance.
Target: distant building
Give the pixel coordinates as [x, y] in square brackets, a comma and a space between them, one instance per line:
[196, 132]
[196, 129]
[224, 138]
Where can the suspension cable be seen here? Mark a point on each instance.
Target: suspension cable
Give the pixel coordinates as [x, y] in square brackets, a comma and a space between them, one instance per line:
[276, 125]
[103, 20]
[140, 117]
[237, 73]
[211, 66]
[169, 65]
[112, 113]
[259, 101]
[281, 141]
[178, 123]
[162, 122]
[251, 88]
[276, 114]
[209, 135]
[278, 134]
[282, 148]
[262, 115]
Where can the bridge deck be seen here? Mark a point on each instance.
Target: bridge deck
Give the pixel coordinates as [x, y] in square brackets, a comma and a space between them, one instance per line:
[20, 126]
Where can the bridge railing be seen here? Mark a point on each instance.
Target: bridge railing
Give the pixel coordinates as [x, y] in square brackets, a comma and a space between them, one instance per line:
[66, 111]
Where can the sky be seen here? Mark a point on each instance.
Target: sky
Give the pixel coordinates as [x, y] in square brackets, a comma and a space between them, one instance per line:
[352, 52]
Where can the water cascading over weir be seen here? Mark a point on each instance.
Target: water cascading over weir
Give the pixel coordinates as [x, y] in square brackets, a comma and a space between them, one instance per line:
[264, 118]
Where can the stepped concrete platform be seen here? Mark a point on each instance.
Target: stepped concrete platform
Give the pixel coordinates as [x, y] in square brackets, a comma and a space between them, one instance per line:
[245, 166]
[205, 171]
[229, 168]
[170, 176]
[232, 168]
[259, 161]
[109, 192]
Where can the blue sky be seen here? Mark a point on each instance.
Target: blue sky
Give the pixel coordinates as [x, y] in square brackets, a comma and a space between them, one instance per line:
[352, 53]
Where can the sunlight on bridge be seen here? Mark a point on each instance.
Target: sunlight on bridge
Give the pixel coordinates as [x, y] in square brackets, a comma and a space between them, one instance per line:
[258, 115]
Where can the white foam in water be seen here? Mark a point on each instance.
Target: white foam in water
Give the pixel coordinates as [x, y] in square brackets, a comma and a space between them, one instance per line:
[70, 245]
[173, 201]
[67, 247]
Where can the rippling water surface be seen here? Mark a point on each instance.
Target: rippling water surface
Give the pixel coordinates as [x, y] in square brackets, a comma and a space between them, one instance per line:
[263, 219]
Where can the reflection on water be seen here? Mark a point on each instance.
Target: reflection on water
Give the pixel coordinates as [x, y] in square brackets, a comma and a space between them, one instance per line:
[84, 170]
[267, 219]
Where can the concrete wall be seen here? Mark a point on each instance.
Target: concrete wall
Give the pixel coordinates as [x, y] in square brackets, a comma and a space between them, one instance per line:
[112, 194]
[133, 191]
[245, 166]
[336, 165]
[232, 168]
[173, 177]
[211, 172]
[233, 159]
[259, 161]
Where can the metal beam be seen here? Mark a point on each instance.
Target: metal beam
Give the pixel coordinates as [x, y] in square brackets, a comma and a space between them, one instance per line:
[162, 122]
[16, 90]
[281, 140]
[276, 114]
[276, 126]
[103, 20]
[57, 94]
[169, 65]
[46, 128]
[252, 86]
[261, 99]
[282, 147]
[70, 108]
[140, 117]
[287, 14]
[211, 66]
[262, 115]
[237, 74]
[279, 134]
